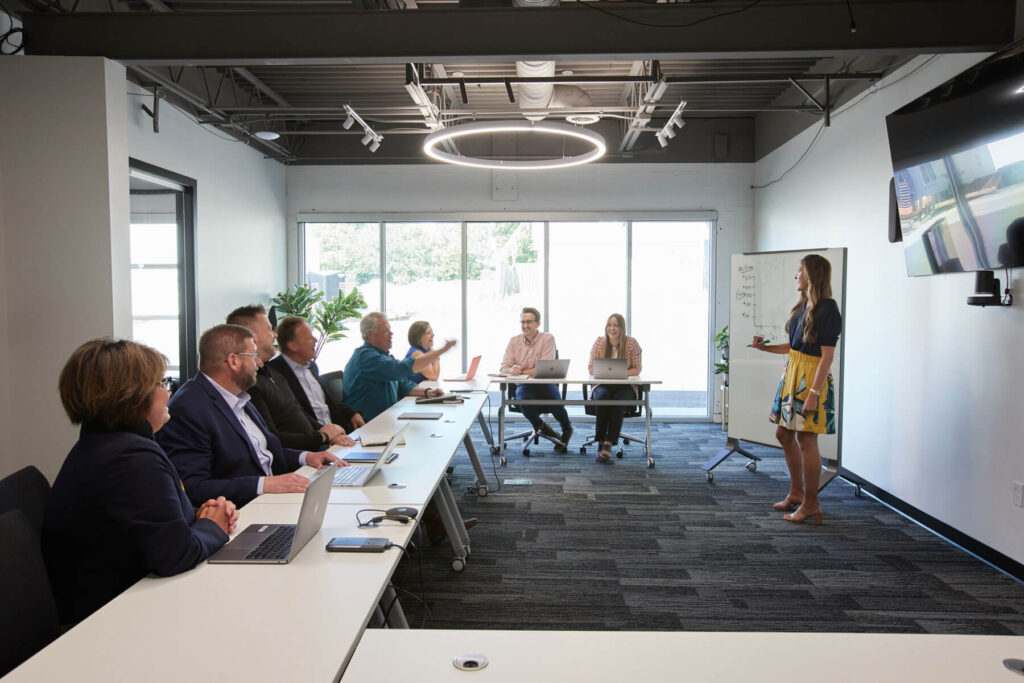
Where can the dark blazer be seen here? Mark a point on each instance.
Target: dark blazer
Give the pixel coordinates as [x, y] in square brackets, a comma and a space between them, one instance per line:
[117, 512]
[283, 415]
[211, 449]
[341, 414]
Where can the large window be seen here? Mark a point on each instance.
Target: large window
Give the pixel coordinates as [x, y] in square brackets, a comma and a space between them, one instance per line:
[471, 279]
[162, 265]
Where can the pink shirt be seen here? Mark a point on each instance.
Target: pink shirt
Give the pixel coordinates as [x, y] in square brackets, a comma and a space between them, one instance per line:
[526, 353]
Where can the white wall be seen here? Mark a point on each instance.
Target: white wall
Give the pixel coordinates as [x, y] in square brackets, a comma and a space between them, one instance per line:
[613, 188]
[64, 213]
[240, 226]
[932, 386]
[65, 140]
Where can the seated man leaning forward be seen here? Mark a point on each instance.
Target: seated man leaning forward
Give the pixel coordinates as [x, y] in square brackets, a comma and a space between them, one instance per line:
[521, 356]
[273, 399]
[216, 439]
[375, 380]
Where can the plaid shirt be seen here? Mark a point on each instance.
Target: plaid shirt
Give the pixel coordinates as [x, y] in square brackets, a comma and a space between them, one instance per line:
[633, 354]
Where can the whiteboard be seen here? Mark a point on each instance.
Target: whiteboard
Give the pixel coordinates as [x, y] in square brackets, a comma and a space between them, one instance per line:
[763, 292]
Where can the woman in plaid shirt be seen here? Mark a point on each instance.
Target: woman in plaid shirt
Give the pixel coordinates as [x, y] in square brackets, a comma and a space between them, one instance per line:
[614, 344]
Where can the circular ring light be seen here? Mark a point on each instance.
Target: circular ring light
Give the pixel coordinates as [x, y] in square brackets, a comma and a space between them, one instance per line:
[434, 140]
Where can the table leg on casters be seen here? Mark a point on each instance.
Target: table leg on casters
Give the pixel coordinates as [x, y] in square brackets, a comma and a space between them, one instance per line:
[484, 428]
[481, 478]
[647, 412]
[501, 428]
[453, 526]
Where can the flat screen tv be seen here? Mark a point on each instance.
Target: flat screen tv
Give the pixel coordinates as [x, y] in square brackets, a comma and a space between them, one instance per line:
[958, 161]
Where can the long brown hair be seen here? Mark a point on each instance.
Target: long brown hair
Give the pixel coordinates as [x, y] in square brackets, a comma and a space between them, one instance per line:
[818, 272]
[622, 337]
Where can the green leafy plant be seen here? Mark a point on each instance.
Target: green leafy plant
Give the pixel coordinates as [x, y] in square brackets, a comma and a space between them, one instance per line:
[721, 341]
[326, 317]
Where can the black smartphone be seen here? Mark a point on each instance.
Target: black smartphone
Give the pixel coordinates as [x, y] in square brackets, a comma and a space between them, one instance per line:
[342, 544]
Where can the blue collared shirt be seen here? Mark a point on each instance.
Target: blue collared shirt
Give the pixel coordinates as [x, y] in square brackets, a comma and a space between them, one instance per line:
[375, 380]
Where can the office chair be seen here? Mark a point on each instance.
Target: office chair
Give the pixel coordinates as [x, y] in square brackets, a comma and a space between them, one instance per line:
[25, 490]
[531, 435]
[631, 411]
[334, 383]
[29, 620]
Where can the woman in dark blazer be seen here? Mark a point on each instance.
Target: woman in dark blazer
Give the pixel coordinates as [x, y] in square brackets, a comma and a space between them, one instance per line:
[118, 510]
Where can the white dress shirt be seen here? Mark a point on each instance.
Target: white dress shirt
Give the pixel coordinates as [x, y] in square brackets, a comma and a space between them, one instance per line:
[314, 390]
[256, 436]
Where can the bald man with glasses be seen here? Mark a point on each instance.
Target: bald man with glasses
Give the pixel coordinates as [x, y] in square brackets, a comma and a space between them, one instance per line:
[217, 440]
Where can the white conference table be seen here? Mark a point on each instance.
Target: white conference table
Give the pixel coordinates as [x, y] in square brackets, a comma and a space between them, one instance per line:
[299, 621]
[419, 470]
[587, 380]
[617, 656]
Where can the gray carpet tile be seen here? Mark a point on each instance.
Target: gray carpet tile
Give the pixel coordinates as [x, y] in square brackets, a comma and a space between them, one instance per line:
[622, 547]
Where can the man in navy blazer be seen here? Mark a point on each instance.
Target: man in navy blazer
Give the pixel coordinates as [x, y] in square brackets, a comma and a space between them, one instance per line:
[297, 367]
[217, 441]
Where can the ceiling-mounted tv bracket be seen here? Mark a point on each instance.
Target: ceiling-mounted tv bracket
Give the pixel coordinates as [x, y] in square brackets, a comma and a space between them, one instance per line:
[158, 94]
[826, 108]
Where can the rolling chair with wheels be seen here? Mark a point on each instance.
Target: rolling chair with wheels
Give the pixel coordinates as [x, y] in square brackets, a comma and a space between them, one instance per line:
[631, 411]
[531, 435]
[25, 490]
[334, 381]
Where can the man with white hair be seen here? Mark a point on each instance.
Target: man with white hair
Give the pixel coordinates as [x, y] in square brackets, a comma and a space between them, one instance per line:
[374, 380]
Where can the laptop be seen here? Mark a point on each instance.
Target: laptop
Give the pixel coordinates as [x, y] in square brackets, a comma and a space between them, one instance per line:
[611, 368]
[357, 475]
[279, 543]
[473, 365]
[555, 368]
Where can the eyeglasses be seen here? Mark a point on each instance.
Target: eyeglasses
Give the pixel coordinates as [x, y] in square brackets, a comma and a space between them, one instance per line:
[166, 382]
[255, 356]
[528, 322]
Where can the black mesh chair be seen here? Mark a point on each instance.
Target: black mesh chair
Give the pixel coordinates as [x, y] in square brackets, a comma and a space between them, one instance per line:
[631, 412]
[334, 381]
[531, 436]
[25, 490]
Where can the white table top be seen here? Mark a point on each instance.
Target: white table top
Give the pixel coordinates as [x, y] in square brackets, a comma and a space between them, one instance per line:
[231, 622]
[421, 461]
[572, 379]
[614, 657]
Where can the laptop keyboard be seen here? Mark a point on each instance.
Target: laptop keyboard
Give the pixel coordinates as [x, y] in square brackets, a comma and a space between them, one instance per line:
[275, 546]
[353, 475]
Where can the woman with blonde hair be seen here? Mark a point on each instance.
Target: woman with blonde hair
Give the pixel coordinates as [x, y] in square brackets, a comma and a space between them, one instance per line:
[614, 344]
[118, 510]
[804, 404]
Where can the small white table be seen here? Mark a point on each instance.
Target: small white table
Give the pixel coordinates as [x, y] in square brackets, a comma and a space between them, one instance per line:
[503, 382]
[614, 657]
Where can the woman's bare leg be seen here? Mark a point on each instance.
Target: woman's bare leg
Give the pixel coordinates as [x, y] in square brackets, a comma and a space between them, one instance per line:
[794, 461]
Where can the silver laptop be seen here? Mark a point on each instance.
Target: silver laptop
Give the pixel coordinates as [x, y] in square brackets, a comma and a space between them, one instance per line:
[611, 368]
[357, 475]
[556, 368]
[279, 543]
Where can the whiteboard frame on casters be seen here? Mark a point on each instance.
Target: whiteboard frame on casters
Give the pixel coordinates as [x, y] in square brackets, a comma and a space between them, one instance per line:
[763, 378]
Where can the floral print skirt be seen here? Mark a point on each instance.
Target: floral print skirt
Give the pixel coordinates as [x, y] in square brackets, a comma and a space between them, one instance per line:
[787, 409]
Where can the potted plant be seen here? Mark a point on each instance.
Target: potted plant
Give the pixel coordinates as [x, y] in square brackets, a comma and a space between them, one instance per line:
[721, 341]
[327, 318]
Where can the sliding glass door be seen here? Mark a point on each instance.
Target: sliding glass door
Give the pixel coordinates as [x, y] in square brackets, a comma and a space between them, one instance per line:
[470, 280]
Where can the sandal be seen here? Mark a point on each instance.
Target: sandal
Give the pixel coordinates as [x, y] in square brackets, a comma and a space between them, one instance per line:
[604, 454]
[800, 515]
[788, 503]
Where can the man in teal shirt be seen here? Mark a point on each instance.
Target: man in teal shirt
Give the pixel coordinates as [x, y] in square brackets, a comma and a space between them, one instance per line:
[374, 380]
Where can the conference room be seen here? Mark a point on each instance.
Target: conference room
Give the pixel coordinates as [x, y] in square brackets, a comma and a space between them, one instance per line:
[920, 529]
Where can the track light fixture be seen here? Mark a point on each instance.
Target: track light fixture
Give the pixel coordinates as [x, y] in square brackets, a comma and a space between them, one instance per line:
[371, 138]
[668, 131]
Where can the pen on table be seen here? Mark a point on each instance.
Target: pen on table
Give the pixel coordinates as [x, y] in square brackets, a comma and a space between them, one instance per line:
[763, 342]
[391, 457]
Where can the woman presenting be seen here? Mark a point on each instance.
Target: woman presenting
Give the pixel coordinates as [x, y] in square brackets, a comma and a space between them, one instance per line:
[804, 405]
[118, 510]
[614, 344]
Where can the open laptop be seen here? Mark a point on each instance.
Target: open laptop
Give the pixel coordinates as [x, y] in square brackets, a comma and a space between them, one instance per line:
[555, 368]
[357, 475]
[473, 365]
[279, 543]
[611, 368]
